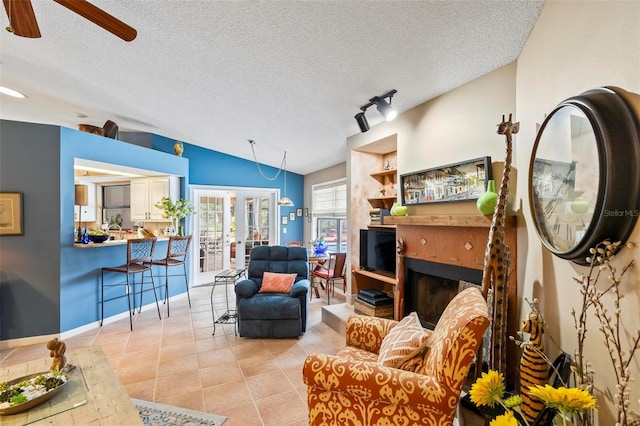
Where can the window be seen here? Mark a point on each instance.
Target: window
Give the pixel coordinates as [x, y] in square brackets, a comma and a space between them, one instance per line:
[329, 210]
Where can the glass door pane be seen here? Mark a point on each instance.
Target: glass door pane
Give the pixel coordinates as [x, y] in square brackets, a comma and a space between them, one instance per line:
[215, 233]
[257, 225]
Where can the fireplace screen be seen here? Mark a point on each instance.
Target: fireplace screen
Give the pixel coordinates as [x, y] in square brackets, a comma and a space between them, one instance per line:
[429, 287]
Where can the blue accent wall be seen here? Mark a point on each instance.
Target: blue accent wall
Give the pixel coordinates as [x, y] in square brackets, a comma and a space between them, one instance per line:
[207, 167]
[80, 268]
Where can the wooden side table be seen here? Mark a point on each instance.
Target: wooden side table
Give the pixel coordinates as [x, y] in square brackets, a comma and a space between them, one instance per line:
[95, 395]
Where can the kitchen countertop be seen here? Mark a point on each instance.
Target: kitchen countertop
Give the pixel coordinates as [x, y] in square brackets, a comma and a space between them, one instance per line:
[107, 243]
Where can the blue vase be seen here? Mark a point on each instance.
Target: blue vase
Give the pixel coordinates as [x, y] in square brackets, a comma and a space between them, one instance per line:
[85, 236]
[321, 248]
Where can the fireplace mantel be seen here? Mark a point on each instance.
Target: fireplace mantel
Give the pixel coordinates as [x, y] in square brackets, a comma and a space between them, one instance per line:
[459, 220]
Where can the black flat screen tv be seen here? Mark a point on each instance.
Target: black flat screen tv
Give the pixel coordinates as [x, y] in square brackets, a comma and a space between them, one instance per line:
[378, 250]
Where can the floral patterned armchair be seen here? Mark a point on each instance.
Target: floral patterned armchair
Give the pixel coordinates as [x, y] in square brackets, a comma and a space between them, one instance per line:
[351, 388]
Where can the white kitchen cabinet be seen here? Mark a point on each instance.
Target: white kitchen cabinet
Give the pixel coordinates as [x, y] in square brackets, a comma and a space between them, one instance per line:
[89, 211]
[145, 192]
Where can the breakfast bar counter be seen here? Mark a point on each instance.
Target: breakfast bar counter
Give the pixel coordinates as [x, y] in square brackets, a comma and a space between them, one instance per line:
[110, 243]
[80, 288]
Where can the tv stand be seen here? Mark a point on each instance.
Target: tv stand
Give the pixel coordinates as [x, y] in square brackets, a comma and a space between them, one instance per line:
[388, 279]
[361, 279]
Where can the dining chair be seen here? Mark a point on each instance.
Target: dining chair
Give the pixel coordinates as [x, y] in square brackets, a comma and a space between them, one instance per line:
[139, 256]
[177, 251]
[331, 271]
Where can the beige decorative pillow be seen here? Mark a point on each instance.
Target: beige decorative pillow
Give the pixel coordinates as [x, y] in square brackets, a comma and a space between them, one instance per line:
[277, 283]
[404, 341]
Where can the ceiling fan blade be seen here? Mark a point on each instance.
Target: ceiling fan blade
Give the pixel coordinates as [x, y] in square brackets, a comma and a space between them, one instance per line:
[101, 18]
[21, 18]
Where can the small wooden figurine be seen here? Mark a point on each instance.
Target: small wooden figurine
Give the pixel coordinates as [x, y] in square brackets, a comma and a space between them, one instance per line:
[57, 349]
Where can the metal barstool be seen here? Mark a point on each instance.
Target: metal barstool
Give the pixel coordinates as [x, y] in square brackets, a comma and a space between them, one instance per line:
[176, 255]
[139, 257]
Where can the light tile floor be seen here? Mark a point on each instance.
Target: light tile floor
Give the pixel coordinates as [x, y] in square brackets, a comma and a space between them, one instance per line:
[177, 361]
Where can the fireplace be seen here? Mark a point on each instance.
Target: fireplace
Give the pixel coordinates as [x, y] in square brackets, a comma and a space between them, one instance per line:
[430, 286]
[450, 248]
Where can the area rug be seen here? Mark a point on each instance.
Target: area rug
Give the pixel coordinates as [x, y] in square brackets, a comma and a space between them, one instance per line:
[153, 414]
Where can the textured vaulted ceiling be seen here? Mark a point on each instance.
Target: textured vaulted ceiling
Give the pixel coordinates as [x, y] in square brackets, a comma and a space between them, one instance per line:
[289, 74]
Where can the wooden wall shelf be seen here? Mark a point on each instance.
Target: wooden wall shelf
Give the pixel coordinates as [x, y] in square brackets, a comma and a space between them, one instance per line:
[382, 202]
[386, 174]
[470, 221]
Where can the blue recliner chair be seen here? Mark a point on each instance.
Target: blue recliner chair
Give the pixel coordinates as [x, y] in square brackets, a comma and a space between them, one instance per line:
[268, 315]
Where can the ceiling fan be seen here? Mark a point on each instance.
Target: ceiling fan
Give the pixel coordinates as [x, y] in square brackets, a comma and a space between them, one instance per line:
[22, 19]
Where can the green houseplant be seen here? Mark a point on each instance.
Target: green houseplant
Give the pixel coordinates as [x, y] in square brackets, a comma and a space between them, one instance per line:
[175, 211]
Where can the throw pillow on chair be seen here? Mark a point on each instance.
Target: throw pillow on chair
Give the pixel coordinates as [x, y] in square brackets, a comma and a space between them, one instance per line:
[277, 283]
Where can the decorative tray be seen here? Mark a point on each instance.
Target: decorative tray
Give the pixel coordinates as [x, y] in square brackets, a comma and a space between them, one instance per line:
[32, 402]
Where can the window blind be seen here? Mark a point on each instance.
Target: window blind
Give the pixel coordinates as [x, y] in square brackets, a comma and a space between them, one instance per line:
[330, 200]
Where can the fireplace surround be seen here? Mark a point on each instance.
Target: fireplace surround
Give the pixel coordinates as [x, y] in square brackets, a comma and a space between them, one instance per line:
[452, 248]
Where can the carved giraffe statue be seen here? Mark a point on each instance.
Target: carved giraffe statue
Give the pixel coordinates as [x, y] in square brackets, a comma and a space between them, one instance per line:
[497, 261]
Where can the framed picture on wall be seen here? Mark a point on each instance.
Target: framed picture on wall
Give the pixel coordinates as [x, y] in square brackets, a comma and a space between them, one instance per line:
[11, 213]
[453, 182]
[292, 216]
[285, 220]
[299, 212]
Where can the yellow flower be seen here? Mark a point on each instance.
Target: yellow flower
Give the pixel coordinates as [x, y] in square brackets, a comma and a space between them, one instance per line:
[488, 389]
[506, 419]
[565, 400]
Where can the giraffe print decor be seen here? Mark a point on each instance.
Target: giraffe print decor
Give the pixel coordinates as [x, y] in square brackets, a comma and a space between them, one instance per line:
[497, 261]
[533, 363]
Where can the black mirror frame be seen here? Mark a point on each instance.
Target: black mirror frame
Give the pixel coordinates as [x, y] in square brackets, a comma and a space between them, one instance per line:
[614, 115]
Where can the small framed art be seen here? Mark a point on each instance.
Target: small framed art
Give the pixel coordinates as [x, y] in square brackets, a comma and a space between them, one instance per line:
[11, 213]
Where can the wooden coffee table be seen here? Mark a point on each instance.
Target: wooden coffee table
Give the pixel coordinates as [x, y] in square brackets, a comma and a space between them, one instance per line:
[94, 395]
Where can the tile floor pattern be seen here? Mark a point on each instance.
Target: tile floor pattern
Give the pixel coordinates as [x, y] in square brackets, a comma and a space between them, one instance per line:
[177, 361]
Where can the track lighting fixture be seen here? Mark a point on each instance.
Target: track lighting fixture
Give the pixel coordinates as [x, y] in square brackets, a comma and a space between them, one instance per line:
[383, 107]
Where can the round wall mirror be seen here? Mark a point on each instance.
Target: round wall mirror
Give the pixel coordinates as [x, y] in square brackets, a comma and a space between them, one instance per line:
[584, 174]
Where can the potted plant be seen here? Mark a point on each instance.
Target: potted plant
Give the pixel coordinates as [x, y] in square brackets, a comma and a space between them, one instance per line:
[175, 211]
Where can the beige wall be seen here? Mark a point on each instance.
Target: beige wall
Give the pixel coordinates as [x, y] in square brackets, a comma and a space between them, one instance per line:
[457, 126]
[575, 46]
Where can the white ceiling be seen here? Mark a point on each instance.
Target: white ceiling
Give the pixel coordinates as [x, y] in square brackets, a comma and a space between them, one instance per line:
[289, 74]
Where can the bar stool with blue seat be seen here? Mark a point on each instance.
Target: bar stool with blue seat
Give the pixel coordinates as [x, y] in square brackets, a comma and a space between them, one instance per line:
[177, 251]
[139, 257]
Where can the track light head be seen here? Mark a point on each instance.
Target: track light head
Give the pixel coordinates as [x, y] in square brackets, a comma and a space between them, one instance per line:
[362, 122]
[383, 107]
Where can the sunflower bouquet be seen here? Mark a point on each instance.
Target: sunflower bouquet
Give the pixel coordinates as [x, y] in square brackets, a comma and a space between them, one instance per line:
[489, 390]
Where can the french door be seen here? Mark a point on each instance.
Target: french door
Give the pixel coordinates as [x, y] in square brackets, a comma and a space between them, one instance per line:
[213, 232]
[228, 223]
[257, 226]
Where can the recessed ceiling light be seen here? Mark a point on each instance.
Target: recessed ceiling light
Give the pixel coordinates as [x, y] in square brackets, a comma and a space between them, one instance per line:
[11, 92]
